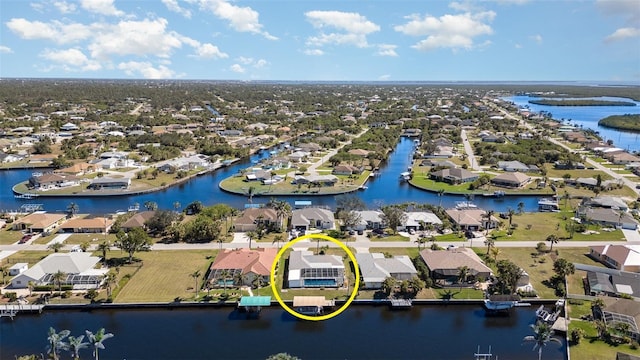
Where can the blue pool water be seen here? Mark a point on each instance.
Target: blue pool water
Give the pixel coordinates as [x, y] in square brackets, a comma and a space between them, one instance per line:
[319, 282]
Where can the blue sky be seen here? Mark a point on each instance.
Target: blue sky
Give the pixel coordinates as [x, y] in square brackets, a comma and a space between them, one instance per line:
[347, 40]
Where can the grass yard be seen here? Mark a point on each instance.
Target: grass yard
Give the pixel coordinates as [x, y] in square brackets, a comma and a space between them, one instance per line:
[538, 225]
[8, 236]
[29, 257]
[591, 348]
[165, 276]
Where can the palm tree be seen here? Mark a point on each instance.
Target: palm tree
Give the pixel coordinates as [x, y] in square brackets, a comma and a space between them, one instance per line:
[72, 209]
[104, 247]
[56, 246]
[258, 282]
[58, 277]
[543, 334]
[224, 275]
[195, 275]
[31, 285]
[463, 274]
[421, 240]
[74, 345]
[440, 193]
[520, 207]
[510, 214]
[251, 235]
[487, 215]
[56, 342]
[277, 239]
[490, 242]
[97, 339]
[552, 239]
[109, 280]
[251, 191]
[220, 240]
[495, 252]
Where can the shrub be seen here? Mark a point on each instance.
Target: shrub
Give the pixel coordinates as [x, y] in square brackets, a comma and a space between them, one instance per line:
[541, 247]
[528, 293]
[561, 290]
[12, 296]
[576, 335]
[66, 294]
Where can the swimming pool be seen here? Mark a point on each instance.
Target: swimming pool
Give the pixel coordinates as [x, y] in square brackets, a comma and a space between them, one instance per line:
[320, 282]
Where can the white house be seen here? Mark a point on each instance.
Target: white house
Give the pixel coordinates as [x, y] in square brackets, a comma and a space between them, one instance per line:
[307, 218]
[307, 270]
[375, 268]
[78, 266]
[18, 269]
[69, 127]
[416, 218]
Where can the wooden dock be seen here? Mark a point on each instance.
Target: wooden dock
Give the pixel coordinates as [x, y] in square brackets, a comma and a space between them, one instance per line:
[11, 310]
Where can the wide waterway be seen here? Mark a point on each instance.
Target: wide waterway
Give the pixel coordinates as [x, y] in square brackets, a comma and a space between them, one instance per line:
[588, 117]
[385, 188]
[361, 332]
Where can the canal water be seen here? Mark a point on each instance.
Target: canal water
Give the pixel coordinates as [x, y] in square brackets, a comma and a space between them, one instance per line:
[361, 332]
[588, 117]
[385, 189]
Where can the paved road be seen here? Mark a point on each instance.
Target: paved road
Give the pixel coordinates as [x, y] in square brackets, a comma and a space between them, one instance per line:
[469, 150]
[626, 181]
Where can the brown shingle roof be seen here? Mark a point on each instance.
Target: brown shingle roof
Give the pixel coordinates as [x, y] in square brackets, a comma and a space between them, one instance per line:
[249, 216]
[448, 261]
[40, 220]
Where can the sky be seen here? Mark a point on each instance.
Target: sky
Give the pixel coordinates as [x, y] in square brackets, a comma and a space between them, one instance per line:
[327, 40]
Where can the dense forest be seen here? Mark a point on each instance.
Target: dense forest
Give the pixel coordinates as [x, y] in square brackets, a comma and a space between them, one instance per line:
[580, 102]
[630, 122]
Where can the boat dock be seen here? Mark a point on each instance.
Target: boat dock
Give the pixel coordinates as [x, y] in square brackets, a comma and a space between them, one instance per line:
[11, 310]
[400, 303]
[311, 305]
[254, 304]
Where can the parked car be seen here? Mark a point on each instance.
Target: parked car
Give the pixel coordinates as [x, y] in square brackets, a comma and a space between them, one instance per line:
[25, 238]
[378, 231]
[352, 232]
[360, 232]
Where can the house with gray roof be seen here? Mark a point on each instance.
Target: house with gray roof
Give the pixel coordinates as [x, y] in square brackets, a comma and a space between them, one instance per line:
[375, 268]
[307, 270]
[79, 268]
[610, 202]
[511, 180]
[369, 219]
[453, 176]
[312, 217]
[512, 166]
[608, 217]
[415, 219]
[443, 265]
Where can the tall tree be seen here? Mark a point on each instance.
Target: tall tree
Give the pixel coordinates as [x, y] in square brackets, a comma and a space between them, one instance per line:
[103, 247]
[542, 335]
[393, 216]
[552, 239]
[56, 341]
[133, 241]
[520, 207]
[74, 345]
[72, 209]
[56, 246]
[490, 242]
[196, 275]
[58, 277]
[277, 239]
[97, 340]
[463, 274]
[251, 235]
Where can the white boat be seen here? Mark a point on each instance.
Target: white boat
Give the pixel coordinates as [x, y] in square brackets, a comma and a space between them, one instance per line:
[466, 205]
[499, 305]
[405, 176]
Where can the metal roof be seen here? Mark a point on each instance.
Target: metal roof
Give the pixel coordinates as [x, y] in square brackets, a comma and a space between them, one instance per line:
[255, 301]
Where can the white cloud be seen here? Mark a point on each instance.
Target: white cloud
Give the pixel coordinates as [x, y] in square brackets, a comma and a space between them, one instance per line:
[511, 2]
[71, 60]
[448, 31]
[55, 31]
[537, 38]
[146, 70]
[173, 5]
[145, 37]
[518, 46]
[102, 7]
[237, 68]
[252, 62]
[353, 28]
[5, 50]
[209, 51]
[623, 33]
[64, 7]
[242, 19]
[314, 52]
[384, 77]
[387, 50]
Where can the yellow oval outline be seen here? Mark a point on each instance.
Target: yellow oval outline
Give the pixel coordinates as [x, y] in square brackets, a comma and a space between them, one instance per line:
[307, 317]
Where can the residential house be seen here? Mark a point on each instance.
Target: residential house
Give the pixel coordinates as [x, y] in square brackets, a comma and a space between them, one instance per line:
[242, 267]
[608, 217]
[69, 127]
[79, 267]
[621, 257]
[472, 219]
[346, 170]
[622, 158]
[137, 221]
[415, 219]
[8, 158]
[359, 152]
[369, 219]
[610, 202]
[610, 282]
[77, 169]
[309, 147]
[312, 217]
[318, 180]
[252, 217]
[512, 166]
[307, 270]
[444, 265]
[298, 156]
[621, 311]
[52, 181]
[453, 176]
[511, 180]
[375, 268]
[87, 225]
[40, 222]
[109, 183]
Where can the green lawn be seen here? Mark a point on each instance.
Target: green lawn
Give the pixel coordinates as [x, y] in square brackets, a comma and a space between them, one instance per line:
[8, 236]
[165, 275]
[538, 225]
[421, 180]
[591, 348]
